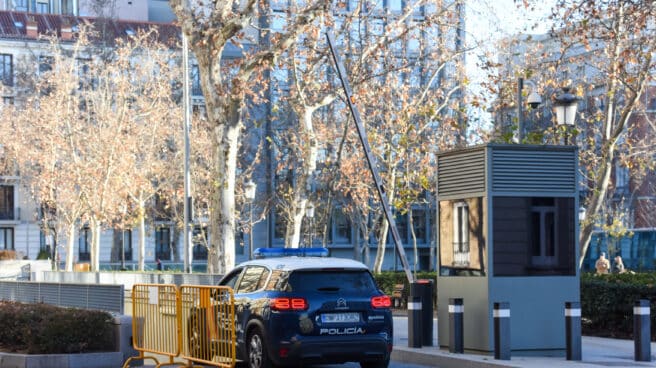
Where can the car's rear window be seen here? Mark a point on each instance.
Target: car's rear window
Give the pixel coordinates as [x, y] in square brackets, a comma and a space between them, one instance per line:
[331, 281]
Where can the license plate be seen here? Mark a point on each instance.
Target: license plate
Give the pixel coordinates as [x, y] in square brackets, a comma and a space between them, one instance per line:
[340, 317]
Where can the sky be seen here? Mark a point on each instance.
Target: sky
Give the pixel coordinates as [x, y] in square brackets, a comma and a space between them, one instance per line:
[491, 20]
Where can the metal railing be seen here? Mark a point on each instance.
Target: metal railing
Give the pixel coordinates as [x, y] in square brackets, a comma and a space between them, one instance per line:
[193, 323]
[87, 296]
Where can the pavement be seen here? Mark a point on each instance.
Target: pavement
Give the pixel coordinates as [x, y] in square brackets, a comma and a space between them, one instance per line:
[596, 352]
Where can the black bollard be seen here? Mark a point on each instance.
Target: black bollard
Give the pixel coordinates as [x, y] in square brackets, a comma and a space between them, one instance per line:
[426, 293]
[641, 331]
[456, 337]
[573, 330]
[502, 331]
[414, 322]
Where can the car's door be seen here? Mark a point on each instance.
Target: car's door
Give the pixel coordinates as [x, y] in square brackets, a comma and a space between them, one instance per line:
[250, 281]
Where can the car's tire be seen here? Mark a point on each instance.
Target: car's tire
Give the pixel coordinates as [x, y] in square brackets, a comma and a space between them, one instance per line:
[384, 363]
[196, 336]
[257, 355]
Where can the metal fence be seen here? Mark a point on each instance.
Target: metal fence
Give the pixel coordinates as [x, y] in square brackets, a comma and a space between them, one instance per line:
[195, 323]
[108, 298]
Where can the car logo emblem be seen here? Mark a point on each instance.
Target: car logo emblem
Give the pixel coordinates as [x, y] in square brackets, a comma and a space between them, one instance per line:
[341, 303]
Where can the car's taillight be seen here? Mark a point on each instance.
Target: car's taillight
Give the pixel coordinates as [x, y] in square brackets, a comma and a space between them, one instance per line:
[382, 301]
[286, 304]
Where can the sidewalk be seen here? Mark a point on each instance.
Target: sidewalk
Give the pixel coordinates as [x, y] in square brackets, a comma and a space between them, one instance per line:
[596, 351]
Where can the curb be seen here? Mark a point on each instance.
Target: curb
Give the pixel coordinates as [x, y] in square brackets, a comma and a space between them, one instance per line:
[83, 360]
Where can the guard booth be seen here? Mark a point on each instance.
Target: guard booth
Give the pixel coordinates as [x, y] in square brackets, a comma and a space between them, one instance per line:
[508, 230]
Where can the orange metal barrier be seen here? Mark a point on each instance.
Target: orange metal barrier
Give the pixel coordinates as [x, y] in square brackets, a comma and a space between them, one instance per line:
[195, 323]
[155, 325]
[208, 325]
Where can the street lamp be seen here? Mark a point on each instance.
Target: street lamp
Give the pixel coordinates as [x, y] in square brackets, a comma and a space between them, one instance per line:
[309, 212]
[581, 214]
[249, 192]
[565, 106]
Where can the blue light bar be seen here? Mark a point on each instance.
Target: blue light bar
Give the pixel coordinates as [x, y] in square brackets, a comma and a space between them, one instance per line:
[290, 252]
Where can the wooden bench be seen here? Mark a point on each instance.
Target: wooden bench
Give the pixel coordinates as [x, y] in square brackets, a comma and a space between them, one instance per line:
[398, 297]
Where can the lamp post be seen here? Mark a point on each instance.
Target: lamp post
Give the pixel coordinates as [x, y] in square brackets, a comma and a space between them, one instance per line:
[249, 192]
[581, 214]
[534, 100]
[309, 212]
[565, 106]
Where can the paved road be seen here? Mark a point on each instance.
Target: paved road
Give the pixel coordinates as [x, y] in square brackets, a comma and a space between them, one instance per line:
[393, 364]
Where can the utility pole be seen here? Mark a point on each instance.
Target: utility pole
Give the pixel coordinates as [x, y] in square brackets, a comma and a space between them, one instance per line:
[370, 159]
[188, 205]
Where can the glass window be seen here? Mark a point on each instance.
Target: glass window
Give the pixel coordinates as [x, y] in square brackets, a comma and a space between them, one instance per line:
[395, 5]
[461, 234]
[20, 5]
[543, 232]
[621, 177]
[196, 90]
[43, 7]
[231, 279]
[84, 244]
[334, 281]
[7, 238]
[254, 279]
[123, 242]
[200, 243]
[419, 224]
[402, 227]
[341, 232]
[6, 69]
[47, 240]
[163, 243]
[6, 202]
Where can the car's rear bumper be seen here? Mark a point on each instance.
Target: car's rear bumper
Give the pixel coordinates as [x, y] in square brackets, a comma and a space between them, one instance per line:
[331, 351]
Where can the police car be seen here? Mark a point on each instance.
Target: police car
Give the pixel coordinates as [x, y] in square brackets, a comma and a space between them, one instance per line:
[297, 306]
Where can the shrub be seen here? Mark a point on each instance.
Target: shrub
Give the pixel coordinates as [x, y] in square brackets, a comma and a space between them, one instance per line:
[7, 255]
[607, 302]
[387, 280]
[47, 329]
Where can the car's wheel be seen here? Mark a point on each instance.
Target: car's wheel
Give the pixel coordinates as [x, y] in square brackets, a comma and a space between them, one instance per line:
[256, 351]
[375, 364]
[197, 339]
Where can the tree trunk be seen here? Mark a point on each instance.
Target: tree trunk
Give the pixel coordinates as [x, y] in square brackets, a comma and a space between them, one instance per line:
[597, 200]
[95, 245]
[142, 236]
[382, 242]
[70, 247]
[221, 258]
[303, 183]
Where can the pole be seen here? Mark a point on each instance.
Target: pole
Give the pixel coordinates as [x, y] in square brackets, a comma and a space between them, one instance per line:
[187, 117]
[520, 112]
[250, 229]
[370, 159]
[123, 250]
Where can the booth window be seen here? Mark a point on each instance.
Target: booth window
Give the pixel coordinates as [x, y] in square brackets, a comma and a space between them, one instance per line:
[543, 232]
[534, 236]
[460, 234]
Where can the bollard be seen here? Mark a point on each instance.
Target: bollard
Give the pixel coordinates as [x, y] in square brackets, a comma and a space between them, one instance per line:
[426, 293]
[641, 331]
[456, 314]
[502, 331]
[414, 322]
[573, 330]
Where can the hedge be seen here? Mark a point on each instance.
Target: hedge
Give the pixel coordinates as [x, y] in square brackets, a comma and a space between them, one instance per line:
[48, 329]
[607, 302]
[387, 280]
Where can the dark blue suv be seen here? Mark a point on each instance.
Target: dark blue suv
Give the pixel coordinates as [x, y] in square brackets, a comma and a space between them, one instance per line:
[292, 311]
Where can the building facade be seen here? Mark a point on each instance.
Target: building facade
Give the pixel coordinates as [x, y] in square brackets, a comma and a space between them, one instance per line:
[22, 230]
